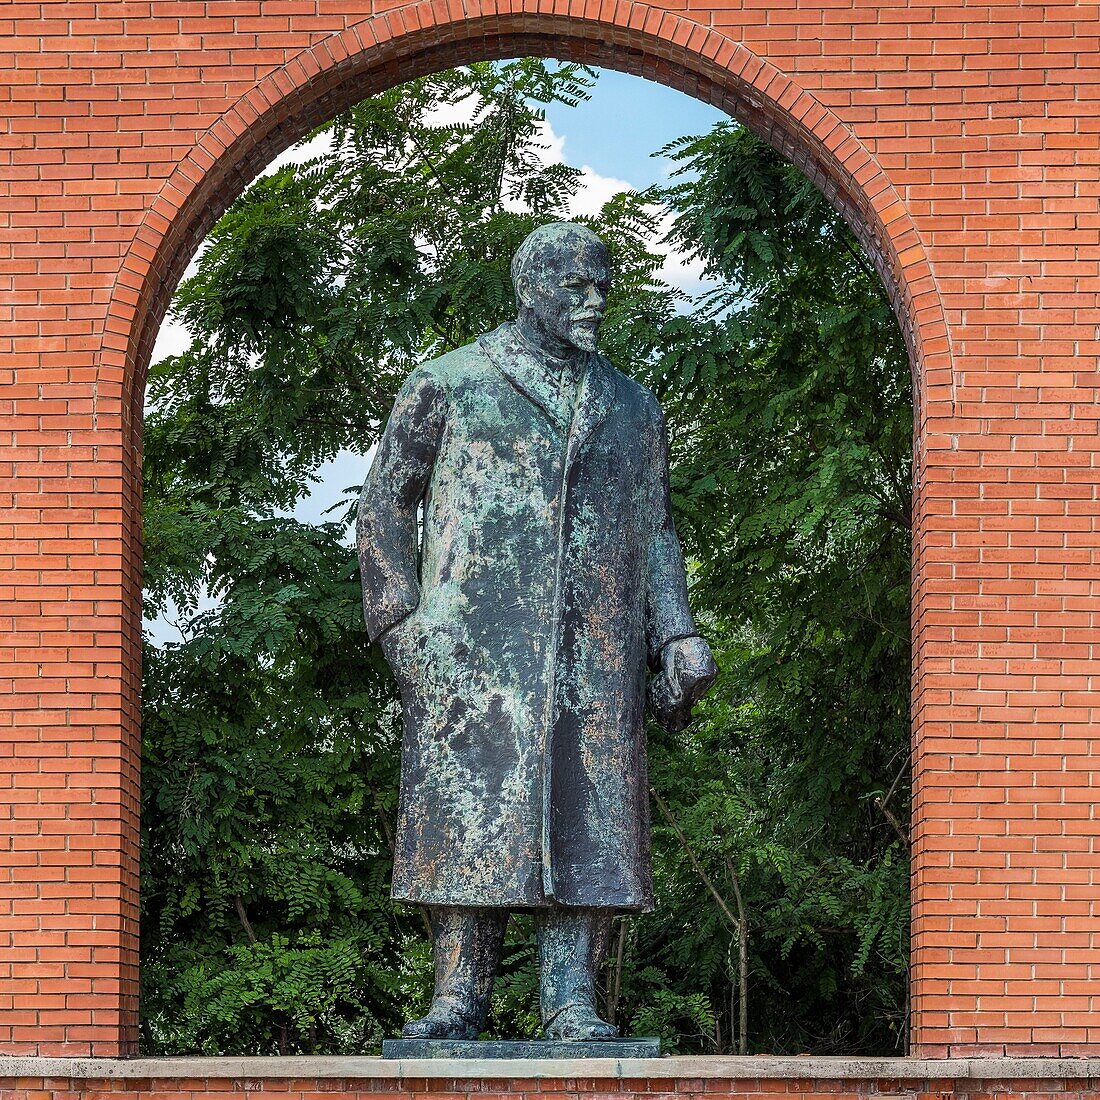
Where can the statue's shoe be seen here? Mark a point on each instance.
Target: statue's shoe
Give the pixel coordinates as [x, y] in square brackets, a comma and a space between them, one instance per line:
[444, 1021]
[579, 1024]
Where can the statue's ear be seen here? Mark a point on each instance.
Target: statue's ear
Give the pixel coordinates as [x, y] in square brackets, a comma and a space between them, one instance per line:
[524, 291]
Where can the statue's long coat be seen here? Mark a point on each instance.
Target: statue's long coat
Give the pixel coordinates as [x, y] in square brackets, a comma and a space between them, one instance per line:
[549, 576]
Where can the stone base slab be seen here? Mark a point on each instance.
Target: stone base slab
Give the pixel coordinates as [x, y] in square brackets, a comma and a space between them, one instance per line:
[674, 1078]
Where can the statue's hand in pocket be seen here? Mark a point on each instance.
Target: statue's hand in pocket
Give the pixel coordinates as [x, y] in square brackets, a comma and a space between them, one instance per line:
[394, 642]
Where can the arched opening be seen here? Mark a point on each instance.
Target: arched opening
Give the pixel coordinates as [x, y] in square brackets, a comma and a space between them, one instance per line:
[644, 42]
[843, 171]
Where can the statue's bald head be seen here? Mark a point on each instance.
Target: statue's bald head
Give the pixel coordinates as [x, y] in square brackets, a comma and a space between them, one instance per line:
[562, 274]
[555, 242]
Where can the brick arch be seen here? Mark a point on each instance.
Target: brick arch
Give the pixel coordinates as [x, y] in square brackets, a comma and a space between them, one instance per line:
[127, 128]
[412, 41]
[420, 38]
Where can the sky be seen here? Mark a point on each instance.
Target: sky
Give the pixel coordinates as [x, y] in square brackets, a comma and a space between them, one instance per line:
[610, 138]
[626, 120]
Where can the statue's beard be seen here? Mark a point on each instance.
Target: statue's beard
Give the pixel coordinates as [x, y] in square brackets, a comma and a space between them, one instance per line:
[583, 335]
[564, 328]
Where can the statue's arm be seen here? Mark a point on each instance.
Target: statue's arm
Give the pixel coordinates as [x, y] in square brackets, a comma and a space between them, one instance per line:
[679, 657]
[387, 532]
[668, 616]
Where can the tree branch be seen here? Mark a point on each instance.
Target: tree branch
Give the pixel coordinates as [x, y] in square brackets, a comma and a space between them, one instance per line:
[861, 261]
[887, 813]
[742, 959]
[691, 857]
[243, 916]
[387, 835]
[615, 984]
[430, 164]
[897, 779]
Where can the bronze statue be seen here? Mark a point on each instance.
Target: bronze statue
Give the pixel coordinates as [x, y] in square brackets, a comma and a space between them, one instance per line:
[521, 573]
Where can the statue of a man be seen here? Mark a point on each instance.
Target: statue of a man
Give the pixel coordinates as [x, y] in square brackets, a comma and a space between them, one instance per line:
[521, 572]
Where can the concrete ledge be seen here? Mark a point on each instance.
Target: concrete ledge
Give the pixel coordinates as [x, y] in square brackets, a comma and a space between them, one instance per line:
[762, 1067]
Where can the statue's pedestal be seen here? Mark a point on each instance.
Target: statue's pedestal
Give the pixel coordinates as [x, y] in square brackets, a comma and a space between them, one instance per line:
[698, 1077]
[507, 1048]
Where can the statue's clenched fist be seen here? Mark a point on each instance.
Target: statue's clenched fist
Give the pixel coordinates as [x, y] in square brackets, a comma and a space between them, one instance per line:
[687, 671]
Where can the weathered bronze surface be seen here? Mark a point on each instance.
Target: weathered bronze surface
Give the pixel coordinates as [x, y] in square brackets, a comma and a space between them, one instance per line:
[521, 572]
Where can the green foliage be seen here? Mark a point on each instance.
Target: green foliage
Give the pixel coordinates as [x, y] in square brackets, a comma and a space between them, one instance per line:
[271, 728]
[788, 396]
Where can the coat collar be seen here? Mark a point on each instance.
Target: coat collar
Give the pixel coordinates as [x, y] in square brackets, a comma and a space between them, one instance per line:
[514, 359]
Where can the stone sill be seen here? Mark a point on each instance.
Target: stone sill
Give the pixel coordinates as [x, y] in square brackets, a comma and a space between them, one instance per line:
[761, 1067]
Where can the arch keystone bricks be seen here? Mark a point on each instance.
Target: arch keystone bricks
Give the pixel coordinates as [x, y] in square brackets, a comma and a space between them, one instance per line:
[961, 140]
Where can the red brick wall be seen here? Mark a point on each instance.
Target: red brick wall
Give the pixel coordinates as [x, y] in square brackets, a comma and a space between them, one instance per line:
[960, 139]
[531, 1088]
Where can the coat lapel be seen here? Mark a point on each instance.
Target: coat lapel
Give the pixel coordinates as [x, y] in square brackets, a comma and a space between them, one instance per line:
[593, 403]
[513, 359]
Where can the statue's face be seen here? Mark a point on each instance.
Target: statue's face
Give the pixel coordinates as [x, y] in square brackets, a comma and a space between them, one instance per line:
[565, 289]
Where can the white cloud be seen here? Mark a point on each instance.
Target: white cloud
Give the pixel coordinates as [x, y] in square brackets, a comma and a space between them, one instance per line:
[298, 154]
[594, 190]
[683, 272]
[173, 337]
[453, 114]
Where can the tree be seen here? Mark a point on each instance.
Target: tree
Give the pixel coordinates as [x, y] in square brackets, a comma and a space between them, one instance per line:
[271, 728]
[788, 395]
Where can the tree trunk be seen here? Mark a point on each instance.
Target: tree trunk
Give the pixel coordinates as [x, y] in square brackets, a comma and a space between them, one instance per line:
[742, 960]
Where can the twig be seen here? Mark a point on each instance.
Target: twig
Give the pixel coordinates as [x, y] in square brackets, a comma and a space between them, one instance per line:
[742, 960]
[897, 780]
[615, 985]
[387, 835]
[866, 268]
[433, 170]
[383, 823]
[888, 814]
